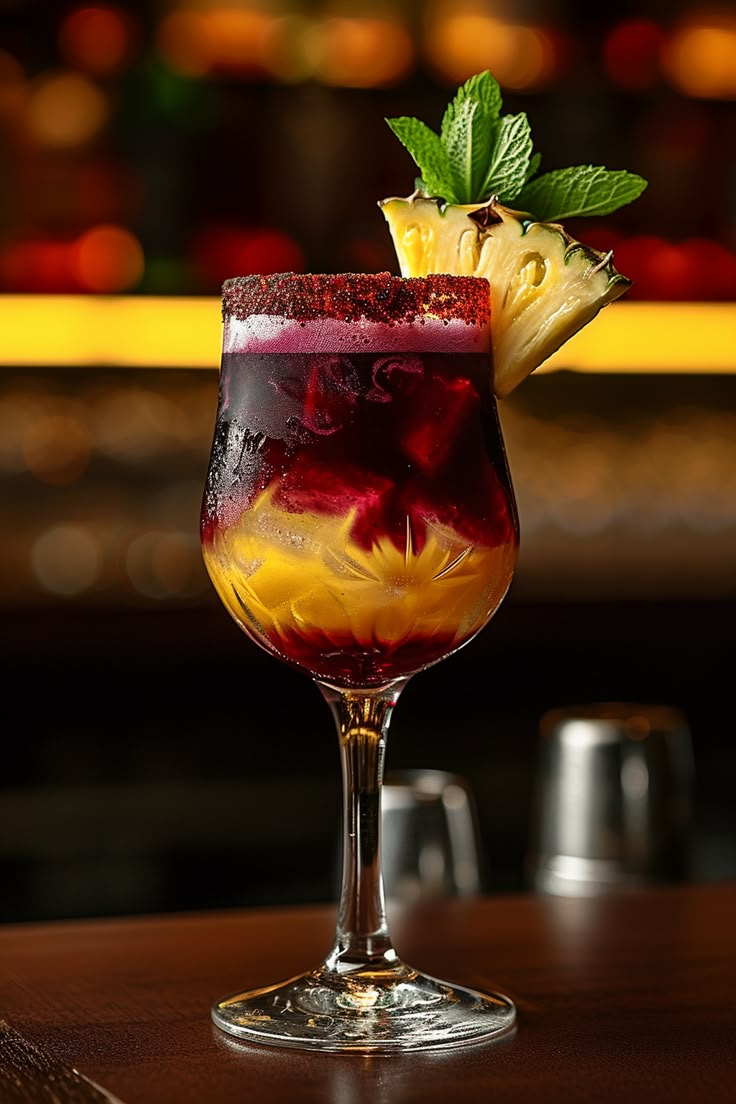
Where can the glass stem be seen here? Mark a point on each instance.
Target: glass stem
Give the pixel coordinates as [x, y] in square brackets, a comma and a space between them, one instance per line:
[362, 717]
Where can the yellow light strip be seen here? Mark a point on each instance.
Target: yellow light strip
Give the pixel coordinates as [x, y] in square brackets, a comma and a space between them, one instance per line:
[110, 331]
[653, 337]
[182, 332]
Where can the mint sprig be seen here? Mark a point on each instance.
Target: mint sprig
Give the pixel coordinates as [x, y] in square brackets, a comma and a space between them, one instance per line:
[429, 154]
[469, 133]
[509, 166]
[481, 153]
[579, 190]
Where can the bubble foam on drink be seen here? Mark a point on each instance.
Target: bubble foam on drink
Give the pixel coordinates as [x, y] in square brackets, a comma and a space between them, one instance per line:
[358, 313]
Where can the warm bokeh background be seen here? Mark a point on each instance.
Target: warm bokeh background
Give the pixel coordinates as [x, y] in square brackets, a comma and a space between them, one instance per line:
[157, 759]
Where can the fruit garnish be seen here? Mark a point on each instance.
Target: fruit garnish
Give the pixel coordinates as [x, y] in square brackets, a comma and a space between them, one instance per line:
[545, 285]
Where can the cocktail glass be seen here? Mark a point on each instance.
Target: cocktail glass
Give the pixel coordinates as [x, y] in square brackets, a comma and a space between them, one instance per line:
[359, 523]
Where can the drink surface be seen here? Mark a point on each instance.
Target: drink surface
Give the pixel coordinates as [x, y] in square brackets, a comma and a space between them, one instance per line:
[358, 518]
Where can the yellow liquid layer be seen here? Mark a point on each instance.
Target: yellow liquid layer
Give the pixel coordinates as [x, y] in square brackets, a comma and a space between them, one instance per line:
[284, 574]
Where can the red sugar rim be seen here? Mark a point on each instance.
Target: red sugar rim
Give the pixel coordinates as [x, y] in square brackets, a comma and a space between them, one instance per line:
[350, 297]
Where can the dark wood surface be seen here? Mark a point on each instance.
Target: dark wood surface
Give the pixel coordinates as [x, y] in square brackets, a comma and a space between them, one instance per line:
[626, 998]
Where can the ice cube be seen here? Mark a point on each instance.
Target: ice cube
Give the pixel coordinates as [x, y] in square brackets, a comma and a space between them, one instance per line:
[437, 421]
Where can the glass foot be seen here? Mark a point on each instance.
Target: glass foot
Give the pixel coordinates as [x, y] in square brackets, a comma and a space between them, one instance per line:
[366, 1010]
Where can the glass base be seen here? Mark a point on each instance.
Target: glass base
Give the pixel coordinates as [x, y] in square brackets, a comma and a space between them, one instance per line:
[366, 1010]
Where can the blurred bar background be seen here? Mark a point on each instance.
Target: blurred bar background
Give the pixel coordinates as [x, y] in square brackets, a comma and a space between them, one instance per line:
[154, 758]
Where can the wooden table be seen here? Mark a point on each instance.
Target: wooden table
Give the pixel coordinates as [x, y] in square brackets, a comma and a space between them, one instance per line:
[624, 998]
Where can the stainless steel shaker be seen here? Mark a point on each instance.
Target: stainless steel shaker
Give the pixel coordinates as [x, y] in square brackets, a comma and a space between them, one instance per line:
[613, 798]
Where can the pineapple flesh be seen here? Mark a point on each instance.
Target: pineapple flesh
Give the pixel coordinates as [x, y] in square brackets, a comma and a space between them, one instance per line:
[545, 286]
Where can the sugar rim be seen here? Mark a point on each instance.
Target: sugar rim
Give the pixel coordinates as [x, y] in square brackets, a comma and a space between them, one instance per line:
[352, 297]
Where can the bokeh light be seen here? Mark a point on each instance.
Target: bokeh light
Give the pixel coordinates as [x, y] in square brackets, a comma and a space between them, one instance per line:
[133, 424]
[108, 258]
[362, 52]
[37, 265]
[694, 269]
[291, 48]
[462, 40]
[99, 38]
[699, 57]
[67, 559]
[234, 36]
[631, 53]
[65, 109]
[355, 51]
[105, 258]
[163, 564]
[181, 42]
[220, 39]
[715, 266]
[222, 251]
[57, 448]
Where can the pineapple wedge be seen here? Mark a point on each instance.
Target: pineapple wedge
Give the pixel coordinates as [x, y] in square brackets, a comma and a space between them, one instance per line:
[545, 286]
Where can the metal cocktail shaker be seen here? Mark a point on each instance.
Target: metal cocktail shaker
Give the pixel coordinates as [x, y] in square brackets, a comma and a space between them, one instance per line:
[613, 798]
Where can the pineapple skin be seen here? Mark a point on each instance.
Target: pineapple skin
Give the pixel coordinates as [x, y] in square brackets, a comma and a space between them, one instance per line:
[545, 285]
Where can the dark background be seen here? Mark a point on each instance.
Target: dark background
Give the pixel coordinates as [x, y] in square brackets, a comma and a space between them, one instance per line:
[160, 761]
[153, 758]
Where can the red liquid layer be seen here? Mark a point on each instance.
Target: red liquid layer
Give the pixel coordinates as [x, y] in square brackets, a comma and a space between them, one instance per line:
[358, 518]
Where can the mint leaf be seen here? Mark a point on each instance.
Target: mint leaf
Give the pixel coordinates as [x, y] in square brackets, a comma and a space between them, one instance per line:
[482, 89]
[534, 164]
[429, 154]
[467, 154]
[579, 190]
[509, 165]
[468, 133]
[480, 153]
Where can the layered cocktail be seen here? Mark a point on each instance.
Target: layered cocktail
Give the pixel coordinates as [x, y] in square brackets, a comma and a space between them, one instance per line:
[359, 519]
[358, 522]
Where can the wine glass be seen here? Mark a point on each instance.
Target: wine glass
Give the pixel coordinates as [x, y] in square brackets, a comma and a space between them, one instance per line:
[359, 523]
